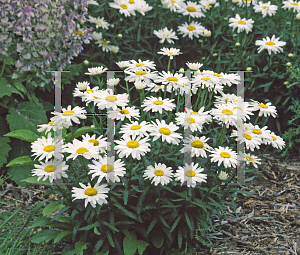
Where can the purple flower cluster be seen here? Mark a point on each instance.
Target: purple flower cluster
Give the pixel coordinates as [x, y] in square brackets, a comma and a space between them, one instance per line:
[42, 35]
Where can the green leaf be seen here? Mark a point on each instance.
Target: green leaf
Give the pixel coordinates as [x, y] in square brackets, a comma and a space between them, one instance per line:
[34, 180]
[163, 221]
[81, 131]
[175, 223]
[23, 134]
[96, 231]
[24, 160]
[110, 226]
[125, 197]
[7, 89]
[157, 238]
[61, 235]
[127, 234]
[128, 213]
[9, 61]
[110, 240]
[141, 200]
[51, 208]
[179, 237]
[188, 221]
[142, 245]
[130, 247]
[88, 227]
[151, 226]
[19, 86]
[44, 235]
[5, 148]
[19, 173]
[174, 252]
[80, 246]
[102, 253]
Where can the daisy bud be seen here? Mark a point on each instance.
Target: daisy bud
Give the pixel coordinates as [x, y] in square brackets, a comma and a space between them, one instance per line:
[92, 126]
[290, 55]
[235, 1]
[86, 62]
[288, 63]
[206, 33]
[140, 85]
[120, 35]
[82, 86]
[249, 68]
[286, 83]
[160, 41]
[212, 2]
[237, 44]
[203, 58]
[112, 25]
[223, 176]
[226, 18]
[234, 35]
[114, 49]
[200, 41]
[181, 70]
[215, 54]
[298, 16]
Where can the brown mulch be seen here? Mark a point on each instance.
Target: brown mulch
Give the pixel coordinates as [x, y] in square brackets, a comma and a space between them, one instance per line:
[267, 222]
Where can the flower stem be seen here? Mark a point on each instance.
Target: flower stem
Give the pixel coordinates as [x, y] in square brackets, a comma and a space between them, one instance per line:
[127, 88]
[2, 70]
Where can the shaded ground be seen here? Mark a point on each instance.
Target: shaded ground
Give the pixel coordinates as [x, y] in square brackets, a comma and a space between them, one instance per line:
[266, 223]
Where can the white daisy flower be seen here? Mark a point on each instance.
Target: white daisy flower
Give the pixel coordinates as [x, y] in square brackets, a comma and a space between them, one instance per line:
[104, 44]
[141, 6]
[78, 148]
[224, 155]
[173, 80]
[109, 100]
[223, 176]
[94, 195]
[264, 109]
[100, 22]
[113, 49]
[194, 66]
[185, 88]
[205, 117]
[171, 52]
[46, 148]
[92, 95]
[263, 133]
[157, 104]
[227, 98]
[123, 64]
[160, 173]
[194, 122]
[248, 2]
[249, 159]
[172, 5]
[53, 169]
[272, 45]
[51, 125]
[197, 146]
[59, 122]
[92, 2]
[113, 81]
[72, 115]
[252, 141]
[135, 66]
[128, 112]
[241, 24]
[207, 4]
[140, 85]
[97, 36]
[155, 88]
[134, 147]
[140, 76]
[228, 79]
[226, 114]
[192, 9]
[135, 129]
[265, 8]
[107, 168]
[165, 34]
[190, 30]
[124, 7]
[290, 4]
[206, 79]
[96, 70]
[190, 173]
[100, 143]
[165, 131]
[276, 142]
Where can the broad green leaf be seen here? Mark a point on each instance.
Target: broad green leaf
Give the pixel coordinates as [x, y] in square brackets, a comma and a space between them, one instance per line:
[5, 148]
[9, 61]
[61, 235]
[33, 179]
[19, 86]
[19, 173]
[44, 235]
[51, 208]
[142, 245]
[23, 134]
[130, 247]
[157, 238]
[24, 160]
[82, 131]
[80, 246]
[7, 89]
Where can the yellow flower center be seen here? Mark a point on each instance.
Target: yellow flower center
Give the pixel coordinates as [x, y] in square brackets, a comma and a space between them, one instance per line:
[191, 9]
[66, 113]
[205, 79]
[172, 79]
[226, 100]
[247, 136]
[140, 72]
[159, 172]
[263, 106]
[190, 173]
[157, 102]
[197, 144]
[94, 141]
[173, 2]
[50, 123]
[274, 138]
[237, 108]
[218, 75]
[170, 53]
[107, 168]
[78, 32]
[256, 131]
[82, 150]
[294, 4]
[124, 112]
[124, 6]
[135, 127]
[111, 98]
[265, 7]
[190, 120]
[227, 112]
[131, 1]
[50, 168]
[164, 131]
[241, 22]
[133, 144]
[89, 90]
[139, 64]
[225, 154]
[49, 148]
[249, 158]
[95, 97]
[90, 192]
[104, 42]
[191, 28]
[270, 43]
[194, 112]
